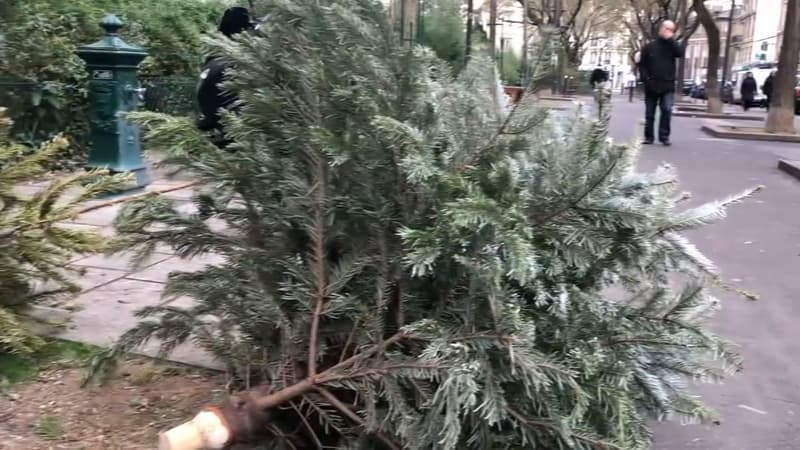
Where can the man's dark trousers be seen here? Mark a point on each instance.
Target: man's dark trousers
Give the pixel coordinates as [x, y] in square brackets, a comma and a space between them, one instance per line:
[664, 103]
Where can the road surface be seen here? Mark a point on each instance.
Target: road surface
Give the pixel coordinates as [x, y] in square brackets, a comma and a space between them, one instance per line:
[757, 248]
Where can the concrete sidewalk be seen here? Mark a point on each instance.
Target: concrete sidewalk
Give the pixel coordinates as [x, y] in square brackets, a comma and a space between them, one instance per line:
[113, 290]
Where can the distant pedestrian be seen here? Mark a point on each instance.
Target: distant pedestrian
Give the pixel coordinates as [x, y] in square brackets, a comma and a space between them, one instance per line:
[657, 70]
[211, 98]
[630, 84]
[768, 87]
[748, 90]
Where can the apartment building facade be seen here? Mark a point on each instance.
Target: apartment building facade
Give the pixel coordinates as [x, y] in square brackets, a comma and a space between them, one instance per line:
[406, 15]
[755, 34]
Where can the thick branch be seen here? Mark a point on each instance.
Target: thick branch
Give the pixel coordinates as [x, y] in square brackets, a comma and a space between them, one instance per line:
[342, 408]
[319, 267]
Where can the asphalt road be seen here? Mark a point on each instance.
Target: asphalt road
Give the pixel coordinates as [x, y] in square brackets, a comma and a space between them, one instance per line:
[757, 248]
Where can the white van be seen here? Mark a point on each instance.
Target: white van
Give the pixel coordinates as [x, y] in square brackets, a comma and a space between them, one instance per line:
[760, 70]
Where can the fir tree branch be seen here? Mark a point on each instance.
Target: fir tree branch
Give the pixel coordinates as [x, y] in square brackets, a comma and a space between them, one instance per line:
[350, 338]
[308, 426]
[573, 203]
[554, 428]
[309, 383]
[341, 407]
[501, 130]
[319, 267]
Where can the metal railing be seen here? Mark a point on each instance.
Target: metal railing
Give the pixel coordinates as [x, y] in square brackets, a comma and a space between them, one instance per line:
[41, 110]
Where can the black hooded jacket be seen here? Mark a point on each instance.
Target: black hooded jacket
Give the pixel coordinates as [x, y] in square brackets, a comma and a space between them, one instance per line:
[767, 87]
[210, 96]
[657, 66]
[598, 76]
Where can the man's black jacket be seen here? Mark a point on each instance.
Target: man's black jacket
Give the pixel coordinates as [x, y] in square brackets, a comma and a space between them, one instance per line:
[657, 66]
[749, 88]
[210, 96]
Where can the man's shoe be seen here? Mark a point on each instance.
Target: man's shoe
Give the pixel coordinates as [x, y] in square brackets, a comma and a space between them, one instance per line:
[666, 142]
[647, 142]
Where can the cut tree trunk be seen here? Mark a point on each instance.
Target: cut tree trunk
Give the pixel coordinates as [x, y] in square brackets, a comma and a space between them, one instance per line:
[712, 34]
[780, 118]
[206, 431]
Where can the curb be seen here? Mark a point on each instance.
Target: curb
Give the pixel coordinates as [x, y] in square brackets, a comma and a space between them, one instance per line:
[705, 115]
[711, 130]
[556, 98]
[789, 167]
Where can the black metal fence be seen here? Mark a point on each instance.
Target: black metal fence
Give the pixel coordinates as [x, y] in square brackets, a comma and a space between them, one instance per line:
[174, 96]
[41, 110]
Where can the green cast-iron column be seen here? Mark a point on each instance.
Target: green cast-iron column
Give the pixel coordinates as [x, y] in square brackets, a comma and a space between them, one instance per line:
[113, 65]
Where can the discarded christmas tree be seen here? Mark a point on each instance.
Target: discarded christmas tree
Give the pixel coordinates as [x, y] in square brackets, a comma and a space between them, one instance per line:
[407, 265]
[34, 249]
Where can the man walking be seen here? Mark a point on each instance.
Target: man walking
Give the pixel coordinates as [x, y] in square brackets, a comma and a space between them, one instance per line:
[630, 84]
[748, 91]
[211, 98]
[657, 71]
[767, 87]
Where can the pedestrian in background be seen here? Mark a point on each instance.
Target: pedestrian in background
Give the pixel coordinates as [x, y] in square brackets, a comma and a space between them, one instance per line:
[768, 87]
[211, 98]
[748, 90]
[657, 70]
[630, 84]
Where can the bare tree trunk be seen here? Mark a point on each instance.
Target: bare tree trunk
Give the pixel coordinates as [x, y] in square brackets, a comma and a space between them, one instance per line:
[681, 76]
[492, 27]
[781, 111]
[712, 34]
[468, 47]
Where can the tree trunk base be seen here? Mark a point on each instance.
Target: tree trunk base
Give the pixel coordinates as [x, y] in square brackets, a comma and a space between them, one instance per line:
[206, 431]
[780, 120]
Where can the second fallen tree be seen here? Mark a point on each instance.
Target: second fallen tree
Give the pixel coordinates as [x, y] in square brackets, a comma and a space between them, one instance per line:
[406, 265]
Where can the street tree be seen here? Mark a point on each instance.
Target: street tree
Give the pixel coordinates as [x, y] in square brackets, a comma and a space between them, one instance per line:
[709, 23]
[580, 21]
[780, 118]
[635, 39]
[576, 22]
[646, 15]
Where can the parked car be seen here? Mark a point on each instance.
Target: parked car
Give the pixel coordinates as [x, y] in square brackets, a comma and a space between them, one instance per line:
[687, 86]
[698, 91]
[726, 92]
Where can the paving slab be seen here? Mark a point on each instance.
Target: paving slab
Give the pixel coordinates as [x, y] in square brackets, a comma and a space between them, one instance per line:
[108, 311]
[102, 217]
[107, 232]
[119, 262]
[181, 194]
[158, 273]
[86, 278]
[61, 324]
